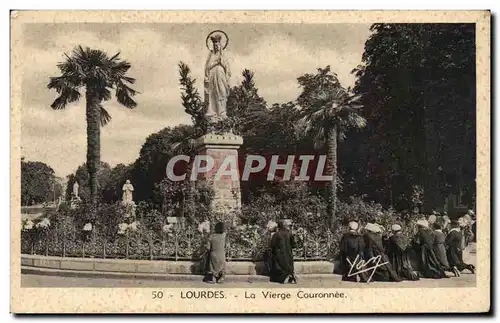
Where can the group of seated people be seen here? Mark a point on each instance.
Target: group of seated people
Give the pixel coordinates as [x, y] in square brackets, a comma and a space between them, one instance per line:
[436, 248]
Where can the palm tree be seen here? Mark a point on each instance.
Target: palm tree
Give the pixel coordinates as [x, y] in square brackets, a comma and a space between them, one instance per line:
[187, 147]
[97, 73]
[328, 110]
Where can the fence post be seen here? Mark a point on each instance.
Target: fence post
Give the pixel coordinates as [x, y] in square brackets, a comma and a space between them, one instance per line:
[228, 249]
[189, 237]
[83, 249]
[56, 236]
[163, 243]
[32, 240]
[127, 245]
[176, 245]
[150, 245]
[104, 242]
[330, 238]
[46, 243]
[64, 244]
[304, 245]
[328, 243]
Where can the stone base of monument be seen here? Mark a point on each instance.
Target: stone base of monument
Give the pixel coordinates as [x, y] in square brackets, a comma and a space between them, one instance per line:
[130, 208]
[75, 200]
[223, 148]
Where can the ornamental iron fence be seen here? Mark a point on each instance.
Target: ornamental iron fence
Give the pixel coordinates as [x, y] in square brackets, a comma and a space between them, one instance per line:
[182, 243]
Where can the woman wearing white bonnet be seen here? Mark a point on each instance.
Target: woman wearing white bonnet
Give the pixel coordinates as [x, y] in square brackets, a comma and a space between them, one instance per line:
[374, 247]
[396, 228]
[432, 219]
[397, 245]
[353, 226]
[423, 223]
[466, 225]
[372, 227]
[430, 266]
[351, 250]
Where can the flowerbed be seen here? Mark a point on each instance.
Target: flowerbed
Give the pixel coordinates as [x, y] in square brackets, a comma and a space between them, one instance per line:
[112, 234]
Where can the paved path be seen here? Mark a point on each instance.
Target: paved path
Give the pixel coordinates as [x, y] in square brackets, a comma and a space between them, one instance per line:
[333, 281]
[52, 279]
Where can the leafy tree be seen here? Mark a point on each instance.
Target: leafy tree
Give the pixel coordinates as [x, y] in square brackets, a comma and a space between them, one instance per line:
[82, 176]
[150, 168]
[37, 182]
[191, 99]
[328, 111]
[176, 201]
[97, 73]
[245, 106]
[418, 85]
[111, 188]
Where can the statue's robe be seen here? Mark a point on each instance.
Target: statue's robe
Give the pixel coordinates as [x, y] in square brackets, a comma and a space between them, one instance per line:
[397, 252]
[217, 73]
[127, 193]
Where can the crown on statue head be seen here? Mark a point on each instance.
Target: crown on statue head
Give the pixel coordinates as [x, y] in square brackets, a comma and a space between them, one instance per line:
[216, 38]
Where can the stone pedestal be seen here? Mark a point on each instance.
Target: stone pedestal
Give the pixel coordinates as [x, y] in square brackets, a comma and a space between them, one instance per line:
[75, 201]
[222, 148]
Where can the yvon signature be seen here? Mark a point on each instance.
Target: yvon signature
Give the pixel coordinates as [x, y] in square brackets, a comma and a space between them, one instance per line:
[360, 266]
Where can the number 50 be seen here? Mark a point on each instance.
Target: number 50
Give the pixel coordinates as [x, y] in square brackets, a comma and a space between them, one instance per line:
[157, 294]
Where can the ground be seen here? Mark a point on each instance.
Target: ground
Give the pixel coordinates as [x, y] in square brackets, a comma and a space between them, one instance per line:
[333, 281]
[52, 279]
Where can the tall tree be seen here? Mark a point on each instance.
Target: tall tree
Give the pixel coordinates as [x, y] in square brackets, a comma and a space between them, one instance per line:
[417, 84]
[81, 176]
[37, 182]
[191, 99]
[150, 168]
[245, 105]
[112, 184]
[97, 73]
[328, 111]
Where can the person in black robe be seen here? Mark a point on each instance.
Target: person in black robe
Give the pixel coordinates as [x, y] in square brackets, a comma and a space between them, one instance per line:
[267, 255]
[398, 255]
[474, 231]
[429, 263]
[282, 245]
[440, 249]
[466, 224]
[374, 248]
[351, 252]
[216, 252]
[454, 250]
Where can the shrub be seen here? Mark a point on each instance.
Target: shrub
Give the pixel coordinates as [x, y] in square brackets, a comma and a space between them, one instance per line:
[151, 237]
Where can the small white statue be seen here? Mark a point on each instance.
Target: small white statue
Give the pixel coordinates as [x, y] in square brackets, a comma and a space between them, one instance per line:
[75, 189]
[128, 188]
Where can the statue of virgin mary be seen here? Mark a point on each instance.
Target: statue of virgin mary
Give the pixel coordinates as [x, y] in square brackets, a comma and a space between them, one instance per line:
[217, 74]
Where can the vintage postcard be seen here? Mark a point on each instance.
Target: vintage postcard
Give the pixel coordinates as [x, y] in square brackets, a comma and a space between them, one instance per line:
[250, 162]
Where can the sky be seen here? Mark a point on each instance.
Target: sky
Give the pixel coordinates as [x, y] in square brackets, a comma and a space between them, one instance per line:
[276, 53]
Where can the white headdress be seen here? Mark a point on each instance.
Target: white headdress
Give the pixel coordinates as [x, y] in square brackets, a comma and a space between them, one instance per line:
[353, 225]
[396, 227]
[372, 227]
[423, 223]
